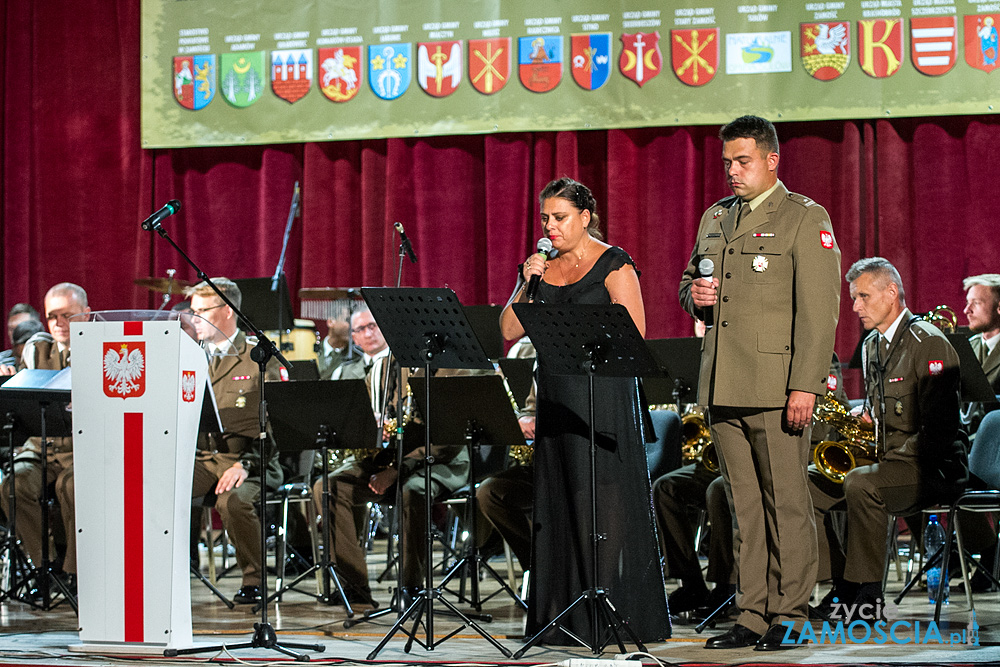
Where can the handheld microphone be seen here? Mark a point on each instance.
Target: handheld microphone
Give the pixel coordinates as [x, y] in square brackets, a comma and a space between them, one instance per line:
[706, 268]
[153, 221]
[407, 246]
[544, 247]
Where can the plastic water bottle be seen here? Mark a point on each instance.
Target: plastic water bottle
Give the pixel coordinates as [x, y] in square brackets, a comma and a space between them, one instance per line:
[933, 541]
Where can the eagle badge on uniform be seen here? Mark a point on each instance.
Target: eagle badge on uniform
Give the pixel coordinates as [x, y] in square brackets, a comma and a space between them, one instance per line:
[935, 367]
[241, 401]
[898, 408]
[760, 264]
[826, 239]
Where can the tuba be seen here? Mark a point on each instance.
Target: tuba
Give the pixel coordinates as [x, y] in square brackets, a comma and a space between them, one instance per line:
[835, 459]
[696, 440]
[942, 317]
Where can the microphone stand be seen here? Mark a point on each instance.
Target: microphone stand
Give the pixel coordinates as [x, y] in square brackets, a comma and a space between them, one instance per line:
[397, 604]
[264, 635]
[283, 326]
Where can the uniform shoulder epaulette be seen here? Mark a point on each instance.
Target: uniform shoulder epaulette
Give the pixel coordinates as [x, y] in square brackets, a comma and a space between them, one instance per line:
[801, 200]
[922, 330]
[251, 340]
[725, 202]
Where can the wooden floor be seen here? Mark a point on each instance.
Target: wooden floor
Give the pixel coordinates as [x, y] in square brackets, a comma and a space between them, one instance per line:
[40, 637]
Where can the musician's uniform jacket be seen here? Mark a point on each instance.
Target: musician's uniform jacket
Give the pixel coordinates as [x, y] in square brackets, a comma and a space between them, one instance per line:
[774, 327]
[236, 384]
[42, 352]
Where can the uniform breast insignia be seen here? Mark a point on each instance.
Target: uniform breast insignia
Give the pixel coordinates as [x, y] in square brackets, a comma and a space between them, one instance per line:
[891, 380]
[241, 401]
[765, 235]
[760, 264]
[898, 408]
[718, 214]
[713, 235]
[935, 367]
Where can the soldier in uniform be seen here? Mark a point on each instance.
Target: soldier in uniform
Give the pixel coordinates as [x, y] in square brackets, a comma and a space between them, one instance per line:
[911, 387]
[48, 351]
[357, 482]
[228, 464]
[336, 347]
[774, 295]
[982, 309]
[19, 314]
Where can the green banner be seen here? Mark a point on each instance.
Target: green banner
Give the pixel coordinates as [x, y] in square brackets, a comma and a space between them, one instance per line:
[224, 72]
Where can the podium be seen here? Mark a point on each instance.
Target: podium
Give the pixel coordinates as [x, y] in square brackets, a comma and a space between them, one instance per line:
[139, 384]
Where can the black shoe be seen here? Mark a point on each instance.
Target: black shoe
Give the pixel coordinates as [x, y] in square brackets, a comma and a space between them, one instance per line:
[738, 636]
[687, 598]
[773, 639]
[247, 595]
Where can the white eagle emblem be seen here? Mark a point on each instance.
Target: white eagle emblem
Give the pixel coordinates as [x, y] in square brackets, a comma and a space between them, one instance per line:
[123, 371]
[188, 386]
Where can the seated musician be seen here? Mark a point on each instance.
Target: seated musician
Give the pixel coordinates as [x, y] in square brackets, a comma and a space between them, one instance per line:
[911, 381]
[336, 347]
[20, 313]
[228, 464]
[982, 309]
[359, 481]
[48, 351]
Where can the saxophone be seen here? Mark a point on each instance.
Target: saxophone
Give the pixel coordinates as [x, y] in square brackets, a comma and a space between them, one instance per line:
[523, 454]
[696, 439]
[835, 459]
[384, 456]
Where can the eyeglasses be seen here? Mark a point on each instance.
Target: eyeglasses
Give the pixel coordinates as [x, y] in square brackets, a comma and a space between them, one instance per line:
[200, 311]
[370, 327]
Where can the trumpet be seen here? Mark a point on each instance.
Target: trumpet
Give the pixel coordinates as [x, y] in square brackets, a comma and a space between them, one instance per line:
[835, 459]
[943, 317]
[696, 440]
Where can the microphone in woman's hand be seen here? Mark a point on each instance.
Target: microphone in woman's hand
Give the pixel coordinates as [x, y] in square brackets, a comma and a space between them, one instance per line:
[544, 247]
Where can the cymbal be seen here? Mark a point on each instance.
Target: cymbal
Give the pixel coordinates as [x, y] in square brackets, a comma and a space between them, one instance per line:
[165, 285]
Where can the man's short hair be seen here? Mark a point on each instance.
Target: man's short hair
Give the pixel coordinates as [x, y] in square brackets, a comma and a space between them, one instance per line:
[69, 289]
[759, 129]
[25, 330]
[225, 285]
[991, 280]
[881, 268]
[24, 309]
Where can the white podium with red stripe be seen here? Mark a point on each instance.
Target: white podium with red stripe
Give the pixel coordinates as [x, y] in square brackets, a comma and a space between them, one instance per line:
[138, 388]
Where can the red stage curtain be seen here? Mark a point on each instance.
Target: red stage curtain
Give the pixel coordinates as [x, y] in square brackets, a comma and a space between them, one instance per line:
[76, 182]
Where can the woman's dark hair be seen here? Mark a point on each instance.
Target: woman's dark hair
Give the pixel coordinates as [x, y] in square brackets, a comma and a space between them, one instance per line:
[578, 195]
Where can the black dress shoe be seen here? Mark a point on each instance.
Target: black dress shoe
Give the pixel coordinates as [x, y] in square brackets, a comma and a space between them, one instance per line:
[247, 595]
[686, 598]
[773, 639]
[738, 636]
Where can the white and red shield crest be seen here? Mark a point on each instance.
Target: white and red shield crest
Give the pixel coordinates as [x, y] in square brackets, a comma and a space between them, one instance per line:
[439, 67]
[981, 41]
[489, 64]
[125, 369]
[880, 46]
[935, 367]
[340, 72]
[934, 44]
[291, 73]
[826, 49]
[831, 382]
[641, 59]
[694, 55]
[826, 239]
[188, 386]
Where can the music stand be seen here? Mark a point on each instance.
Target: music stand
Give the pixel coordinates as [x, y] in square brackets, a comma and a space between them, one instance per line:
[324, 415]
[975, 386]
[591, 340]
[427, 327]
[485, 322]
[680, 359]
[35, 401]
[520, 373]
[270, 309]
[475, 409]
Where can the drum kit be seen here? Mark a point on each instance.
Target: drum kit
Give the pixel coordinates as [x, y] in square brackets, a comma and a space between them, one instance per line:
[299, 343]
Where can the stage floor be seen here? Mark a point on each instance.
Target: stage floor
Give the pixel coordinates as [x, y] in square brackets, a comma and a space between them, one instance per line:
[32, 636]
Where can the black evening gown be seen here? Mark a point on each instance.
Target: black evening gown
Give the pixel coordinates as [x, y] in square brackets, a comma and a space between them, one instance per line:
[629, 559]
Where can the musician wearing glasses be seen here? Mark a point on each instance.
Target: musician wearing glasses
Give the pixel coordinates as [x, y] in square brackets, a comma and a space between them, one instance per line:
[228, 464]
[911, 394]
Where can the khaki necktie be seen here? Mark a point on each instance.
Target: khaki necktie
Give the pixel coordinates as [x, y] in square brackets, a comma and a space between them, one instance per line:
[984, 352]
[743, 212]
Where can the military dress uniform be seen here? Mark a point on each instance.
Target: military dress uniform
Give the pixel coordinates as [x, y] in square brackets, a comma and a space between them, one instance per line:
[924, 460]
[775, 321]
[349, 490]
[991, 367]
[236, 383]
[42, 352]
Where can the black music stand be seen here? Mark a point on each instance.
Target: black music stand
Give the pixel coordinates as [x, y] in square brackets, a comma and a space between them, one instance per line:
[477, 410]
[268, 305]
[35, 402]
[427, 327]
[591, 340]
[680, 359]
[520, 373]
[485, 322]
[324, 415]
[975, 386]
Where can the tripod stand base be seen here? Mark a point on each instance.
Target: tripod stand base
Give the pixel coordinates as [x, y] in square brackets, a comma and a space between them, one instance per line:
[264, 636]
